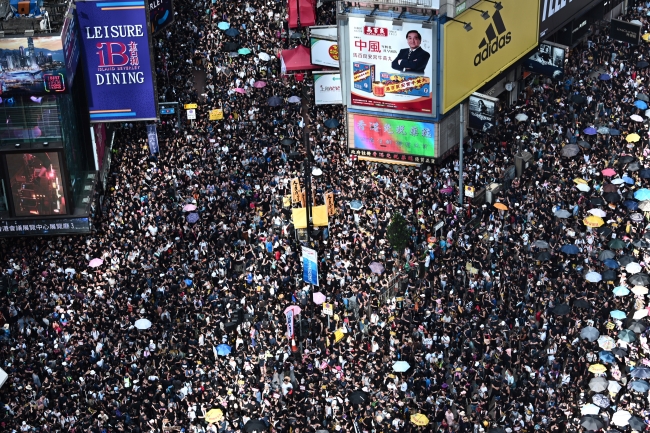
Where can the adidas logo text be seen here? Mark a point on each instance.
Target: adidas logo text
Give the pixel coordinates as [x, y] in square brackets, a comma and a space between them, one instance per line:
[496, 37]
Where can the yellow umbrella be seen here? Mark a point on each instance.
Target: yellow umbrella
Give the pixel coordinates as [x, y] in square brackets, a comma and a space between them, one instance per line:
[579, 180]
[593, 221]
[646, 37]
[632, 138]
[419, 419]
[500, 206]
[338, 335]
[214, 415]
[597, 368]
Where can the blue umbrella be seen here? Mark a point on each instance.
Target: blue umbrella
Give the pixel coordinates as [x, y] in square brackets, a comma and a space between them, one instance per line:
[628, 180]
[590, 131]
[639, 386]
[232, 32]
[621, 291]
[570, 249]
[607, 357]
[193, 217]
[618, 314]
[332, 123]
[640, 104]
[274, 101]
[244, 51]
[612, 264]
[604, 77]
[188, 282]
[642, 194]
[223, 25]
[631, 204]
[223, 350]
[614, 132]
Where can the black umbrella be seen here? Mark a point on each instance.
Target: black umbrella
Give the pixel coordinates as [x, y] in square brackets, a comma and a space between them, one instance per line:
[287, 141]
[581, 303]
[255, 425]
[642, 64]
[543, 256]
[626, 159]
[274, 101]
[635, 166]
[643, 97]
[232, 32]
[295, 35]
[591, 422]
[612, 197]
[636, 423]
[597, 201]
[579, 99]
[561, 309]
[639, 279]
[332, 123]
[645, 173]
[570, 150]
[619, 351]
[604, 231]
[641, 243]
[230, 46]
[626, 260]
[584, 144]
[359, 397]
[609, 275]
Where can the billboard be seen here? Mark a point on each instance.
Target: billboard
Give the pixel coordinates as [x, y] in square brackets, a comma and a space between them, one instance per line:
[391, 138]
[389, 68]
[36, 183]
[161, 14]
[483, 110]
[117, 61]
[309, 266]
[491, 46]
[548, 60]
[70, 42]
[327, 88]
[625, 32]
[324, 52]
[554, 14]
[32, 66]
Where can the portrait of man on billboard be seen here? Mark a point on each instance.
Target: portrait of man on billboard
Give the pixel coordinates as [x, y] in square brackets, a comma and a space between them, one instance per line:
[413, 59]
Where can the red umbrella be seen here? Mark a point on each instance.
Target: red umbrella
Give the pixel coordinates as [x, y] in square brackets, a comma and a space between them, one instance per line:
[609, 172]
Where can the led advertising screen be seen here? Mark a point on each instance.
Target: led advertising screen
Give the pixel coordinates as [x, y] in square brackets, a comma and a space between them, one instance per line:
[327, 89]
[36, 183]
[390, 138]
[548, 60]
[32, 66]
[390, 67]
[117, 61]
[161, 14]
[71, 45]
[482, 112]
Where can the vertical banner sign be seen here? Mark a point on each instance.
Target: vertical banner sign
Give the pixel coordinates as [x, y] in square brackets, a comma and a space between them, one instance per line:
[152, 135]
[289, 315]
[391, 68]
[117, 60]
[161, 14]
[329, 202]
[71, 48]
[482, 112]
[295, 190]
[309, 266]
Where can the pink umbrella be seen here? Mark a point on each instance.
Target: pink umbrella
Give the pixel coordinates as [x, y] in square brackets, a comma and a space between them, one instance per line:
[259, 84]
[296, 309]
[94, 263]
[608, 172]
[319, 298]
[240, 90]
[189, 207]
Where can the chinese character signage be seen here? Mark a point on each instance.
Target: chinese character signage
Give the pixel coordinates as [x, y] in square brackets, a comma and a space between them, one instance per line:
[625, 31]
[71, 44]
[309, 266]
[44, 227]
[31, 66]
[390, 67]
[389, 138]
[161, 14]
[327, 89]
[117, 61]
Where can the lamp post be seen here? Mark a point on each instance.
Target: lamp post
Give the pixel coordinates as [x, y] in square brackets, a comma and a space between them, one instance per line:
[306, 131]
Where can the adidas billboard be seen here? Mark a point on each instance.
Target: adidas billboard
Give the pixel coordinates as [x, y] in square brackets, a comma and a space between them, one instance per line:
[472, 58]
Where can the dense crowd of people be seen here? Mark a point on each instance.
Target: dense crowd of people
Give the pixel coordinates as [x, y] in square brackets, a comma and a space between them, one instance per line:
[521, 317]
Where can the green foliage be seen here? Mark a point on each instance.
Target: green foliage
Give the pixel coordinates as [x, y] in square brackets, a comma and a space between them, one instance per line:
[398, 233]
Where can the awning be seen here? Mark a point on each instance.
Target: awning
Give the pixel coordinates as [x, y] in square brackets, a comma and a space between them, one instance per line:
[297, 59]
[304, 10]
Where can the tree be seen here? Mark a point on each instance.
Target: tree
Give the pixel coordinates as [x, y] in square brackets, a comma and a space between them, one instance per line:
[398, 233]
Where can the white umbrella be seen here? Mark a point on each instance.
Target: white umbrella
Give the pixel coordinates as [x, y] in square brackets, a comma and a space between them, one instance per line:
[593, 277]
[618, 181]
[621, 418]
[637, 22]
[636, 118]
[264, 57]
[633, 268]
[589, 409]
[640, 314]
[606, 343]
[640, 290]
[614, 386]
[598, 212]
[521, 117]
[142, 324]
[647, 113]
[583, 187]
[401, 366]
[3, 377]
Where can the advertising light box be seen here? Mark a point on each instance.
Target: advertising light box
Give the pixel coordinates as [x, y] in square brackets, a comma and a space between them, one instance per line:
[117, 60]
[391, 138]
[71, 45]
[327, 89]
[161, 14]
